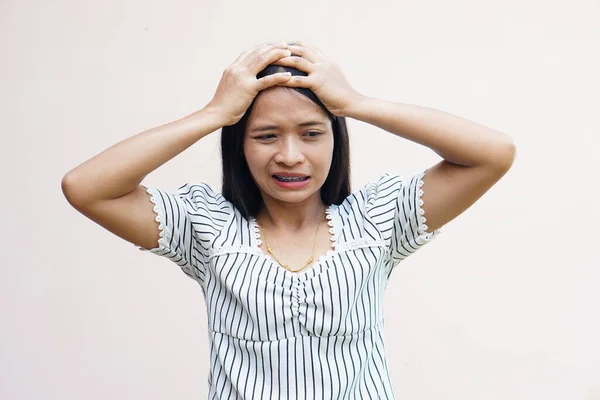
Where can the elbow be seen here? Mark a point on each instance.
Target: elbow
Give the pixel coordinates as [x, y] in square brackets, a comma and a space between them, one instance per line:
[505, 156]
[69, 189]
[66, 185]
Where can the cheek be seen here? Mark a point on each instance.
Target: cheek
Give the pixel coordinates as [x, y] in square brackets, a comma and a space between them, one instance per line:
[254, 158]
[250, 161]
[327, 155]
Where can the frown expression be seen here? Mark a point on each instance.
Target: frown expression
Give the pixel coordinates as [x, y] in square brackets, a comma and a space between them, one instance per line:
[288, 145]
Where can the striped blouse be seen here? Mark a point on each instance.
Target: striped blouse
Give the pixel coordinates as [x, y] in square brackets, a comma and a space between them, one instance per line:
[275, 334]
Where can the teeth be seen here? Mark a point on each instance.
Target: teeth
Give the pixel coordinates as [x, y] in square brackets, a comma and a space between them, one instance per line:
[290, 178]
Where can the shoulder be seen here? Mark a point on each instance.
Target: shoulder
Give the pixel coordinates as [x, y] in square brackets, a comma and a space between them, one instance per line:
[200, 192]
[200, 199]
[382, 187]
[381, 190]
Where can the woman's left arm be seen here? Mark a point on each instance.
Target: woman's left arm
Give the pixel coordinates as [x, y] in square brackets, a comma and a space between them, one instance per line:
[475, 156]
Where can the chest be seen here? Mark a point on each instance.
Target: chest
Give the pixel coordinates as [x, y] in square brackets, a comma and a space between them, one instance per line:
[250, 296]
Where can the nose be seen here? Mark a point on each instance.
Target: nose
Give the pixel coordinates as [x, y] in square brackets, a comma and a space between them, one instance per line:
[290, 151]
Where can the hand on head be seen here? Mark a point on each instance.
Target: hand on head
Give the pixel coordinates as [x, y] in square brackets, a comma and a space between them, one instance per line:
[239, 84]
[324, 77]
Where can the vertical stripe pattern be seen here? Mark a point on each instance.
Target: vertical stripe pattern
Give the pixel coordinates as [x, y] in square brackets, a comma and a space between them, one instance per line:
[275, 334]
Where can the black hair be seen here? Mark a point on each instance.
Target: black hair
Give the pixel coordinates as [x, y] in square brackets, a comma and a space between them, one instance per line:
[239, 186]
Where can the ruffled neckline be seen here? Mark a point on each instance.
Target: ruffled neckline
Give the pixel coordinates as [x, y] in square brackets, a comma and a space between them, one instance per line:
[333, 237]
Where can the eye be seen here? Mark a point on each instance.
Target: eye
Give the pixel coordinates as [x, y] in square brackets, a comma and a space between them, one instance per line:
[313, 134]
[266, 137]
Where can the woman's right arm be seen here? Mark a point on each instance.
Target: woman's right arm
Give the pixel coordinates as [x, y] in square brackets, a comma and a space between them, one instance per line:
[106, 188]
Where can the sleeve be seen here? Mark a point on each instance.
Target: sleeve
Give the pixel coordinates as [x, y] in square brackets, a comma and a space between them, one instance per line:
[395, 206]
[188, 222]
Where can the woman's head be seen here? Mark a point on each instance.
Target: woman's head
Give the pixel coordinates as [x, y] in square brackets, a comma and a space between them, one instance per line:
[274, 140]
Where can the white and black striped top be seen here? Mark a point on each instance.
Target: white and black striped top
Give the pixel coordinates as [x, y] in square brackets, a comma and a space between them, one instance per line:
[275, 334]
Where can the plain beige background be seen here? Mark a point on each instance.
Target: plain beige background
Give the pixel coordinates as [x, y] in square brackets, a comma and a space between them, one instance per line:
[502, 305]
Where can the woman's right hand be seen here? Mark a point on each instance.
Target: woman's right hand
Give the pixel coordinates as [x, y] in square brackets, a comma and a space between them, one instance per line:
[239, 86]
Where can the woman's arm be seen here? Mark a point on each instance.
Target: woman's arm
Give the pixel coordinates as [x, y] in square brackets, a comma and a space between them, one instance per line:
[119, 169]
[475, 157]
[106, 188]
[455, 139]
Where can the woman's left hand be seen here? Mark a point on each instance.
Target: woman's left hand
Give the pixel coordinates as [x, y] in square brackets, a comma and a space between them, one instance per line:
[325, 78]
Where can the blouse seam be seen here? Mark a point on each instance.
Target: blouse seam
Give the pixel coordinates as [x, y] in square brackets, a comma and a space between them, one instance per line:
[161, 229]
[421, 219]
[344, 246]
[378, 325]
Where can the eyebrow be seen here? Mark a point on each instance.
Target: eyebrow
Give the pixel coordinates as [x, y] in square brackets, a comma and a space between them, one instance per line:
[271, 127]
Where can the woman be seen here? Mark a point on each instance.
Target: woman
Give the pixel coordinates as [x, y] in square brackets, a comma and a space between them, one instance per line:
[292, 265]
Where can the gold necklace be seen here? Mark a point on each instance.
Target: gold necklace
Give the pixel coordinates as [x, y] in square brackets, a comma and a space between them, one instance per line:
[310, 260]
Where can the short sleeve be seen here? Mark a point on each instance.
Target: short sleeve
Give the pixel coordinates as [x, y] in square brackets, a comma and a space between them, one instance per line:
[188, 222]
[394, 204]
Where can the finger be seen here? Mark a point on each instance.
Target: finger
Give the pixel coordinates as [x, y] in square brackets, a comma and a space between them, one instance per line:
[275, 45]
[260, 61]
[246, 57]
[296, 62]
[307, 52]
[298, 43]
[317, 52]
[297, 81]
[261, 49]
[245, 53]
[304, 44]
[310, 50]
[257, 52]
[273, 80]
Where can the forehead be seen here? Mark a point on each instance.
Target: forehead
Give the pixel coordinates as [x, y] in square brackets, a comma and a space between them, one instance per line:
[284, 106]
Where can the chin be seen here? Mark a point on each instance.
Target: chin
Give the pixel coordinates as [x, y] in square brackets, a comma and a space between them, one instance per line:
[293, 196]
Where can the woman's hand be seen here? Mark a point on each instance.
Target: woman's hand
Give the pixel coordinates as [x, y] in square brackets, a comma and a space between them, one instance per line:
[325, 78]
[239, 86]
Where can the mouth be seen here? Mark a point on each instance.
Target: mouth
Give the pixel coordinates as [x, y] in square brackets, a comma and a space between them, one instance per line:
[291, 178]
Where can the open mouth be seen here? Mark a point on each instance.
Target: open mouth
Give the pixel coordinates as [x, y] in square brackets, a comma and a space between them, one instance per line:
[281, 178]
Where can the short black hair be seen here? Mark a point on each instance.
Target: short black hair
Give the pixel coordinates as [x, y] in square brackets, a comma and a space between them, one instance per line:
[238, 184]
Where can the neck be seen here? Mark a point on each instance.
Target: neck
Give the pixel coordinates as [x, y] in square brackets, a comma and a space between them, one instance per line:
[291, 216]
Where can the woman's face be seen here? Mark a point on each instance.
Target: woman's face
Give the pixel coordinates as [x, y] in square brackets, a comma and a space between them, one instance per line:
[288, 145]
